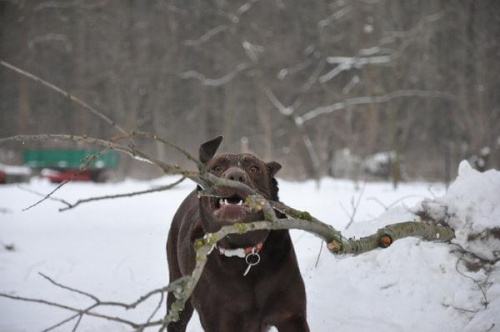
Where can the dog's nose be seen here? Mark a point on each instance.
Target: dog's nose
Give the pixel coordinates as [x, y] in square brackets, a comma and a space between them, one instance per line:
[236, 174]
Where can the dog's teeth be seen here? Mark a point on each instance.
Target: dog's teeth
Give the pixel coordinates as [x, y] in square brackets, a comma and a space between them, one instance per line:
[225, 201]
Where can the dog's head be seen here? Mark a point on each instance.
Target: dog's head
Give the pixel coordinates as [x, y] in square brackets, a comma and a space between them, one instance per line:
[230, 207]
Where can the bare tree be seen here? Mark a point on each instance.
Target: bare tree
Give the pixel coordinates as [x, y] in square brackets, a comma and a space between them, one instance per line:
[268, 71]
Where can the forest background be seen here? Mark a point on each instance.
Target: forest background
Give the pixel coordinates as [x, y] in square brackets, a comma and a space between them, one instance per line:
[324, 87]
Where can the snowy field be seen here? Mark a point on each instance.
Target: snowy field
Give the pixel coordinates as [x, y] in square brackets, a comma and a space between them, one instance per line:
[115, 250]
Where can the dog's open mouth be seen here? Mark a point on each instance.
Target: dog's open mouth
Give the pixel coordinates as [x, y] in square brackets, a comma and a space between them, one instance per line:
[230, 206]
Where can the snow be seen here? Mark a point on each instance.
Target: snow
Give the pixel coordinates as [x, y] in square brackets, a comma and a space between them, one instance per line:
[472, 207]
[115, 249]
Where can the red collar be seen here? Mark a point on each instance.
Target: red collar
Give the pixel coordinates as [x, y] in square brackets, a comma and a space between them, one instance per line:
[240, 252]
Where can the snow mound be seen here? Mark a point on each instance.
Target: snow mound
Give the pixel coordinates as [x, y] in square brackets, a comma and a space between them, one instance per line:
[472, 208]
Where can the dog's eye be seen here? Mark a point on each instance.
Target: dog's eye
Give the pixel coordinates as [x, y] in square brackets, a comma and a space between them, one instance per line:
[254, 169]
[216, 168]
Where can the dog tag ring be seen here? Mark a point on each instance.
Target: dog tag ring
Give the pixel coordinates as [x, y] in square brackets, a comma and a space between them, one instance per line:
[252, 259]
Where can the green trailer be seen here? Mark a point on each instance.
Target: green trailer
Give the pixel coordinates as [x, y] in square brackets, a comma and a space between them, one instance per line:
[61, 164]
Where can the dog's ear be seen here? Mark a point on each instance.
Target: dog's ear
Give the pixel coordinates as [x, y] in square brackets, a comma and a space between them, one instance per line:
[208, 149]
[273, 167]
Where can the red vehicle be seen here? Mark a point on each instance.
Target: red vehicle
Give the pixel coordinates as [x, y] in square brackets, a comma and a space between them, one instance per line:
[59, 176]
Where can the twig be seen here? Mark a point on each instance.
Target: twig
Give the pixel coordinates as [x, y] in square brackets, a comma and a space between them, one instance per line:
[351, 216]
[485, 303]
[345, 210]
[69, 288]
[131, 194]
[460, 309]
[160, 302]
[65, 94]
[355, 207]
[69, 308]
[47, 196]
[52, 198]
[429, 189]
[69, 319]
[166, 142]
[376, 200]
[387, 207]
[99, 303]
[319, 254]
[80, 317]
[90, 159]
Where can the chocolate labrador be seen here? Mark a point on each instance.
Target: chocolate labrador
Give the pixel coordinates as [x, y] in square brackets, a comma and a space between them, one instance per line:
[251, 281]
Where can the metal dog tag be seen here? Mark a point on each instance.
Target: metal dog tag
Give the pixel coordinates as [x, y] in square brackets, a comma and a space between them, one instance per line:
[252, 259]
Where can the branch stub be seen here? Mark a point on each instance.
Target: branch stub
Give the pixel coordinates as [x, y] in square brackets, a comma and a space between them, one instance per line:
[334, 246]
[385, 241]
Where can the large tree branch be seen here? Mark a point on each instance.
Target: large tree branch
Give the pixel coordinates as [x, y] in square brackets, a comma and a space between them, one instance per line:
[210, 184]
[337, 244]
[183, 288]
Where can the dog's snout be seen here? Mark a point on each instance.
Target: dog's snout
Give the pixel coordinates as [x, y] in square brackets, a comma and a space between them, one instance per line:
[236, 174]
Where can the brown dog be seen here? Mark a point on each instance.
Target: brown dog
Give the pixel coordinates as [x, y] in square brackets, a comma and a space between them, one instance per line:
[251, 281]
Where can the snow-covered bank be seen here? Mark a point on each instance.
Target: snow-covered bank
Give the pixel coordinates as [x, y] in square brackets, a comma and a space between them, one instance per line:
[115, 249]
[472, 207]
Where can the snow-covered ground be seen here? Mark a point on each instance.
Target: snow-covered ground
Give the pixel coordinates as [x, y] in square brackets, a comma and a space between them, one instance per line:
[115, 250]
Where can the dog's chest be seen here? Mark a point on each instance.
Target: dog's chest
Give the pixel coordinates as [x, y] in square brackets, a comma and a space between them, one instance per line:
[224, 282]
